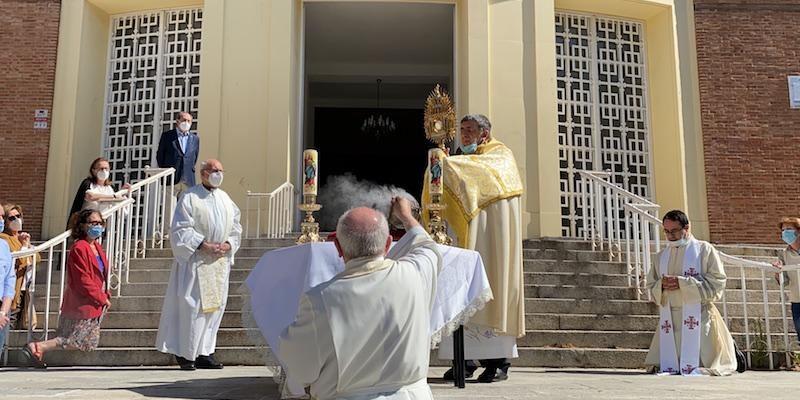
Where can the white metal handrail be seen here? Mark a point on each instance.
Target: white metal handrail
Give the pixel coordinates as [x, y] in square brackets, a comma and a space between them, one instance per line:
[279, 212]
[612, 215]
[764, 269]
[128, 228]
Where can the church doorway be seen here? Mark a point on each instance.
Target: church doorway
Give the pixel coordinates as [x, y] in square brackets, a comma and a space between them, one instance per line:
[376, 60]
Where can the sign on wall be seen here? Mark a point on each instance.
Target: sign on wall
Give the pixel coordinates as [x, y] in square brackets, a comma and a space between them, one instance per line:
[40, 118]
[794, 91]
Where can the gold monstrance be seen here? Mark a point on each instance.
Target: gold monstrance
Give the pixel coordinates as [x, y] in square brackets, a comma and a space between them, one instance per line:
[440, 118]
[440, 128]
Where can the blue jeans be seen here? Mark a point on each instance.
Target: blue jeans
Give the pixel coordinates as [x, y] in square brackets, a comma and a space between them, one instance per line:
[3, 336]
[796, 318]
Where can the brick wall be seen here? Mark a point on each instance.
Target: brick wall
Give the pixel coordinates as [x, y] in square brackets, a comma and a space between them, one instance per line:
[28, 43]
[751, 138]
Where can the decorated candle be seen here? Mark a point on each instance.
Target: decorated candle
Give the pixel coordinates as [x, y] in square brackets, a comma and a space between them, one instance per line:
[310, 172]
[435, 158]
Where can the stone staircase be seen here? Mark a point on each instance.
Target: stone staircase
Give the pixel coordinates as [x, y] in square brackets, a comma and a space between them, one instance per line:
[580, 311]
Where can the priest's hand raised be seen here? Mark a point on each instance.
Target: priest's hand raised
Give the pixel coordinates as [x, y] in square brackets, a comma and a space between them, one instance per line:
[401, 210]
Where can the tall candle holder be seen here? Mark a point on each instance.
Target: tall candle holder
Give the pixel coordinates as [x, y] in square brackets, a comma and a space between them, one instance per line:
[309, 228]
[436, 226]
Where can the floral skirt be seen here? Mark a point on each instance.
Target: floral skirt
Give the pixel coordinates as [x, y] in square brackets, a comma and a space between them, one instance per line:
[83, 334]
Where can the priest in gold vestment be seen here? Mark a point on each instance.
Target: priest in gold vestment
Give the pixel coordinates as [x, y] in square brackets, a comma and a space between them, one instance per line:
[482, 192]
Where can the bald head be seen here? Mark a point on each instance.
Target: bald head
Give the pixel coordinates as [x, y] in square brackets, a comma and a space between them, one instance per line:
[209, 167]
[362, 232]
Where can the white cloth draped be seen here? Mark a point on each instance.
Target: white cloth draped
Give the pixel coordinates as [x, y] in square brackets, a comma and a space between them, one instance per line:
[282, 276]
[496, 233]
[184, 329]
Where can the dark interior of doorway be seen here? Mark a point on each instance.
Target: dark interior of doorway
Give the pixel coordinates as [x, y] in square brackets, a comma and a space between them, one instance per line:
[397, 159]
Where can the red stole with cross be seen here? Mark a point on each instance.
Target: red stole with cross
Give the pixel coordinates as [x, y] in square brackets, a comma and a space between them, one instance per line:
[689, 359]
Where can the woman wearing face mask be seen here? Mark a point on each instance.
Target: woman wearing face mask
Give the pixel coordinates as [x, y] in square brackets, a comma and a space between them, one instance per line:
[12, 233]
[86, 296]
[96, 191]
[791, 256]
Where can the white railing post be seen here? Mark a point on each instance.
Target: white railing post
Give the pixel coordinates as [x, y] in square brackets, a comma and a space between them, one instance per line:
[279, 211]
[584, 203]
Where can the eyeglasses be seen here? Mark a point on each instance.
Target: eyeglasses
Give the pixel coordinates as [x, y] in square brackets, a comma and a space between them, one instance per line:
[12, 218]
[96, 223]
[673, 231]
[211, 171]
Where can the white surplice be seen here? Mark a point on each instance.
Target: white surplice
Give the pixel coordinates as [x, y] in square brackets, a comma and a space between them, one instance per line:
[365, 333]
[496, 233]
[717, 356]
[200, 215]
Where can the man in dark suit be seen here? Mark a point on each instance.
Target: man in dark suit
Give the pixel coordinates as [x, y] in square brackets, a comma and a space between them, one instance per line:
[179, 148]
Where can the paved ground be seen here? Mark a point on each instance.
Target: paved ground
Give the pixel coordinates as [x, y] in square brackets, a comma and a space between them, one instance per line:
[253, 383]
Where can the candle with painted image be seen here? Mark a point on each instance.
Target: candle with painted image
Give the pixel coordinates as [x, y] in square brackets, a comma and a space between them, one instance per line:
[310, 172]
[435, 159]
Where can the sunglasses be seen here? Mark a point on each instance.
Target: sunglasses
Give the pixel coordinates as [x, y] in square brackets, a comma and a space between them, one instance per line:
[96, 223]
[12, 218]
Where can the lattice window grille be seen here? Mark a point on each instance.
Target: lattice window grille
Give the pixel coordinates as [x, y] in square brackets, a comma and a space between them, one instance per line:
[602, 108]
[154, 72]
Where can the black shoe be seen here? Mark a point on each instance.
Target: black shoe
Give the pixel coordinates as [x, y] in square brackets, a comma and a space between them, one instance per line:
[207, 362]
[468, 371]
[488, 375]
[185, 364]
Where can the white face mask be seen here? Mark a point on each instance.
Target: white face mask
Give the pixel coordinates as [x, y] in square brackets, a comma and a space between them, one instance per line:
[103, 174]
[215, 179]
[16, 225]
[184, 126]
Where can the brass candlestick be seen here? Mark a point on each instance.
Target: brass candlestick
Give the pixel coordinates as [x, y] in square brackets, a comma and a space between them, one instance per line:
[437, 227]
[309, 228]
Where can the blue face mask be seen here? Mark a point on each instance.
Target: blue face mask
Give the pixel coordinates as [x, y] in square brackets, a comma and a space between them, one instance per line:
[2, 224]
[789, 235]
[469, 149]
[95, 231]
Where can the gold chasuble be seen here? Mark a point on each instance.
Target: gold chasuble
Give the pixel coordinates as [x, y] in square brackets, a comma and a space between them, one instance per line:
[474, 181]
[481, 192]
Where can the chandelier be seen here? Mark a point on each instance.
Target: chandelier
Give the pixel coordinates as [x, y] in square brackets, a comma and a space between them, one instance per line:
[377, 124]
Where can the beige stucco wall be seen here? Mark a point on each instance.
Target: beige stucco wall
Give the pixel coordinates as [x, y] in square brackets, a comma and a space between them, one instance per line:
[251, 71]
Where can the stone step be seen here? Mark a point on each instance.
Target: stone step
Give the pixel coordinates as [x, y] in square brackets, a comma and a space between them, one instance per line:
[146, 338]
[135, 356]
[564, 338]
[166, 263]
[580, 357]
[162, 275]
[557, 244]
[575, 279]
[139, 303]
[588, 267]
[141, 288]
[256, 252]
[590, 306]
[575, 292]
[636, 307]
[553, 254]
[144, 319]
[595, 322]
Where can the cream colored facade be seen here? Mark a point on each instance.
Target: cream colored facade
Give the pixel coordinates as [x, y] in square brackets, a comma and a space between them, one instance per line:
[504, 66]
